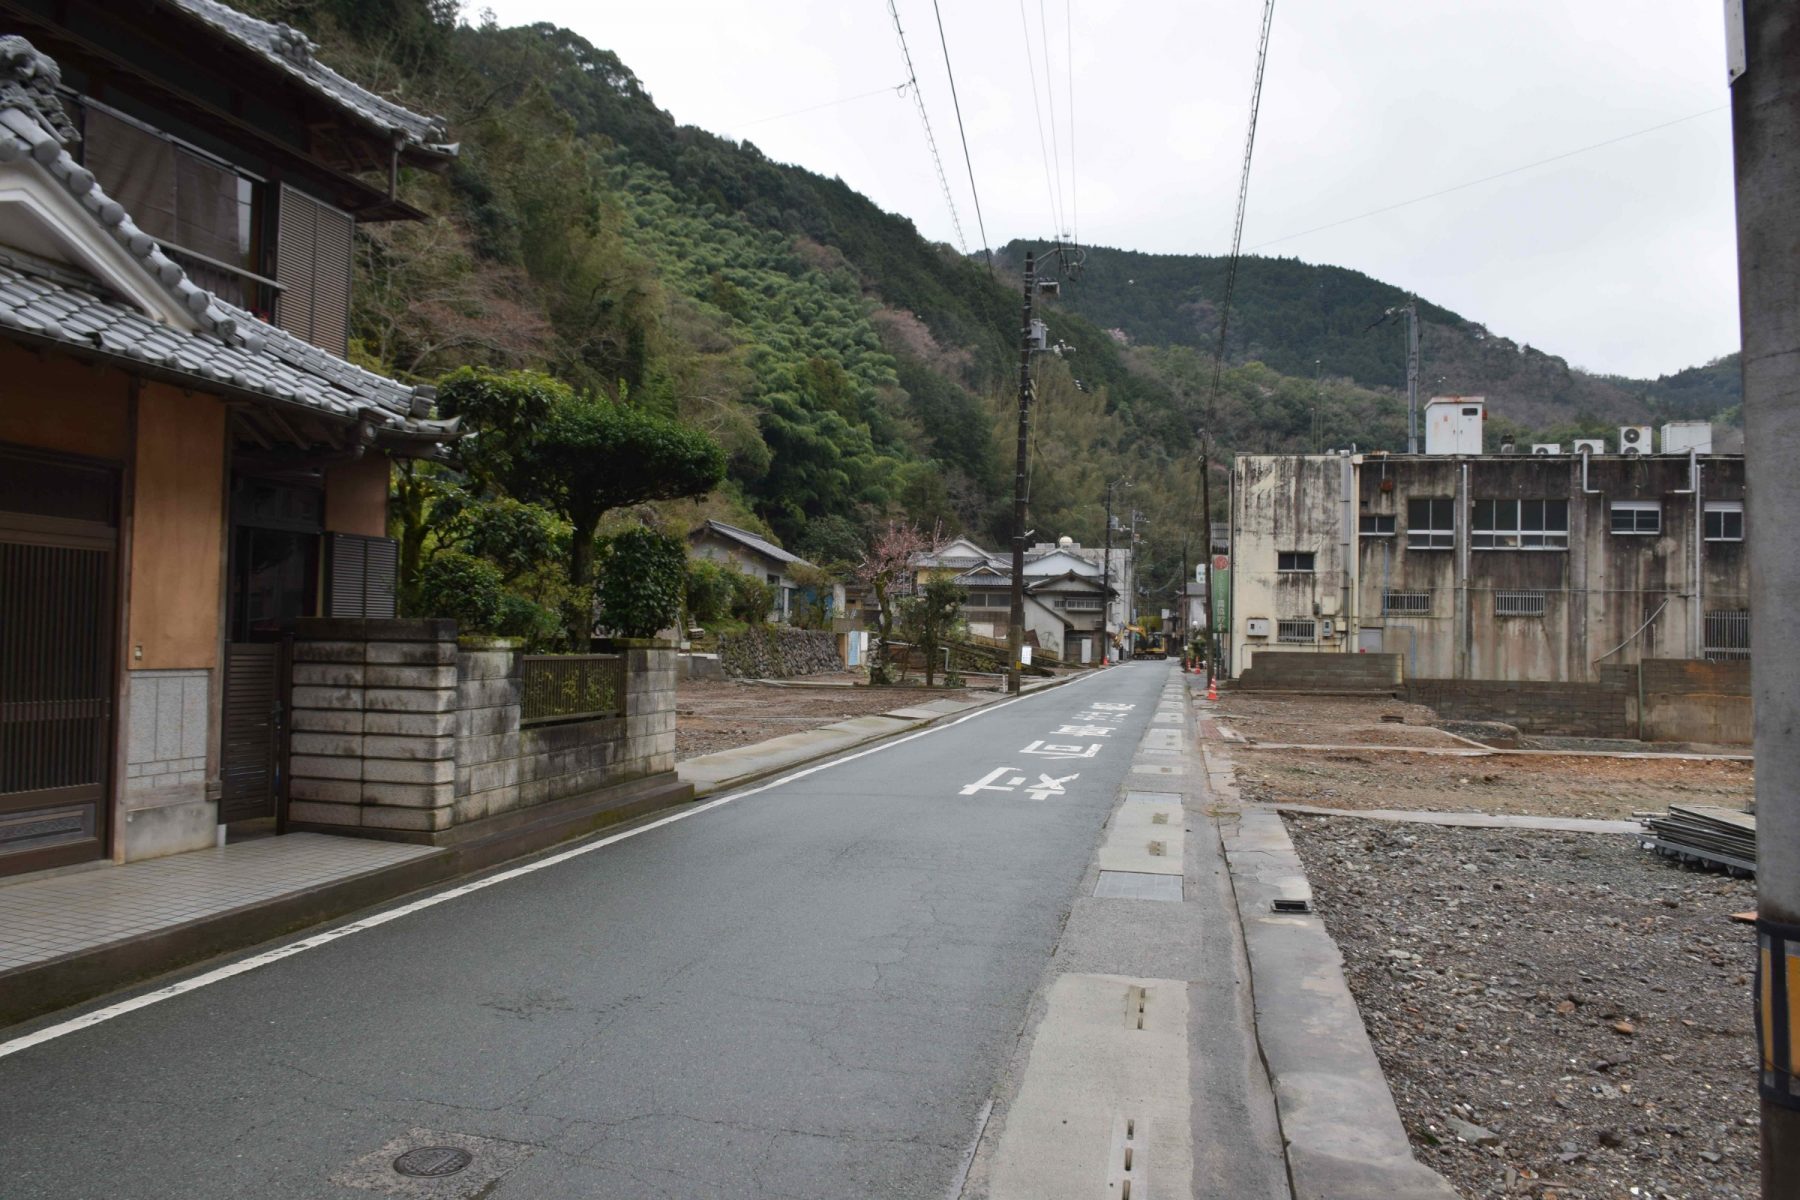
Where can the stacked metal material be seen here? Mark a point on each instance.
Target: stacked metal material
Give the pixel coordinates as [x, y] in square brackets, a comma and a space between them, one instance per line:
[1708, 835]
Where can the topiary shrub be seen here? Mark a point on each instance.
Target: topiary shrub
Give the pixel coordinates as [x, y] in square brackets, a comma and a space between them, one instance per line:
[454, 584]
[643, 582]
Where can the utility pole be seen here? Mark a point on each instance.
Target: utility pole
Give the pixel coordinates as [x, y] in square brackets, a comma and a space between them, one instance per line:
[1106, 583]
[1412, 374]
[1015, 638]
[1206, 549]
[1762, 42]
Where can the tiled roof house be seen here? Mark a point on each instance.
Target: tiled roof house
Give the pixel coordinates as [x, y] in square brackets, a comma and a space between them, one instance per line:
[188, 464]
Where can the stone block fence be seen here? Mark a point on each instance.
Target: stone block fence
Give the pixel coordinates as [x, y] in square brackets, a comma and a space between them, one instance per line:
[398, 731]
[779, 652]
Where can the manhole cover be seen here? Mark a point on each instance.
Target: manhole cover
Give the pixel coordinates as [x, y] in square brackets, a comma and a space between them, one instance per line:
[433, 1162]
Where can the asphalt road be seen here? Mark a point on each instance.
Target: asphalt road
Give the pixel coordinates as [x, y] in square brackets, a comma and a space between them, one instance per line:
[808, 992]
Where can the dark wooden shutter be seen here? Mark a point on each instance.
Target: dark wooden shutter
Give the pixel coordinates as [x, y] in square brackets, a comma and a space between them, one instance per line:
[251, 730]
[361, 574]
[312, 264]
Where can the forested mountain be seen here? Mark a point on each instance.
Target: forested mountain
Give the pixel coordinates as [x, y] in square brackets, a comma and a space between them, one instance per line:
[1297, 317]
[851, 369]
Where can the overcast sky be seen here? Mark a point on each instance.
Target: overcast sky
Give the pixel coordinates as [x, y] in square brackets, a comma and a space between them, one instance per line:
[1620, 258]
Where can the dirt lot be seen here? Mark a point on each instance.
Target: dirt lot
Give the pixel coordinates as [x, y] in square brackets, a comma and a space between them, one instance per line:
[713, 715]
[1548, 785]
[1331, 720]
[1584, 1003]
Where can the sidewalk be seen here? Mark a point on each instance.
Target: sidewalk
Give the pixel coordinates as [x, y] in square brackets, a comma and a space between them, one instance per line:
[72, 935]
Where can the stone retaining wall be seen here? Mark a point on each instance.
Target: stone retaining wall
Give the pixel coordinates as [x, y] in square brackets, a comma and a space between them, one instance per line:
[779, 652]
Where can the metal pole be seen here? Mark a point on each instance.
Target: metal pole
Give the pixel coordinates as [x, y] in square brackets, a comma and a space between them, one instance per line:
[1412, 374]
[1206, 549]
[1015, 638]
[1765, 121]
[1106, 584]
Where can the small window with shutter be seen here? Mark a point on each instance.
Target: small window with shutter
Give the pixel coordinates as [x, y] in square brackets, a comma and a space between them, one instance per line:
[312, 264]
[360, 575]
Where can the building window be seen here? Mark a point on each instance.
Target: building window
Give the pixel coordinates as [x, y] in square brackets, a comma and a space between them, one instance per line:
[1083, 604]
[1377, 525]
[1519, 604]
[1295, 631]
[1294, 560]
[1724, 520]
[1636, 516]
[1431, 524]
[1416, 604]
[1727, 635]
[1520, 525]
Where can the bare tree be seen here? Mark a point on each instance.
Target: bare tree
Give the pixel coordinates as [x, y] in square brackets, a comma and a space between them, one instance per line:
[887, 571]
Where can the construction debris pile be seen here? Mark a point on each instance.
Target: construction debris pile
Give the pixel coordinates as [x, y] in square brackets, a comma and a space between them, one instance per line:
[1707, 835]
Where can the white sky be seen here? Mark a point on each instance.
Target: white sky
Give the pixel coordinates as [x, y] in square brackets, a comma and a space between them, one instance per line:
[1621, 258]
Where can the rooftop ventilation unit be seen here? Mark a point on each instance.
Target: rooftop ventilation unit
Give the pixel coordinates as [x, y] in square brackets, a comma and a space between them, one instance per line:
[1591, 445]
[1546, 447]
[1508, 448]
[1634, 439]
[1678, 437]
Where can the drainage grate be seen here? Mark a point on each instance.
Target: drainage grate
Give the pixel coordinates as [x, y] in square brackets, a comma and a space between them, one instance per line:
[433, 1162]
[1125, 1178]
[1137, 998]
[1291, 906]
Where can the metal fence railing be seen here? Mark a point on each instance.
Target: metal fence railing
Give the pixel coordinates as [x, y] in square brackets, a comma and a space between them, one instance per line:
[1727, 635]
[572, 687]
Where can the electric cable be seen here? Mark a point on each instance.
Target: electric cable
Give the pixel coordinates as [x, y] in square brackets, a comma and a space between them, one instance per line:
[980, 224]
[1387, 208]
[899, 89]
[1043, 150]
[1074, 197]
[1050, 101]
[912, 81]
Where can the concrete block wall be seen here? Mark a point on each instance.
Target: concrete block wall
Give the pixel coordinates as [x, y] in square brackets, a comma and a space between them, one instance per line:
[373, 742]
[1607, 709]
[1307, 670]
[167, 806]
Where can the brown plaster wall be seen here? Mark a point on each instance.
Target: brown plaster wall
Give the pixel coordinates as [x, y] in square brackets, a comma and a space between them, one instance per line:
[356, 496]
[178, 525]
[59, 404]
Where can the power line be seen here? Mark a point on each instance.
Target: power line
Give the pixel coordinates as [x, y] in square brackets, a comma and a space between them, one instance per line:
[1375, 212]
[1237, 229]
[1043, 151]
[1074, 197]
[912, 81]
[898, 89]
[961, 133]
[1050, 99]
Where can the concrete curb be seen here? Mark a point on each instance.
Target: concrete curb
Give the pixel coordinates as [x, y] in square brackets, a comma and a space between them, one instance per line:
[1338, 1118]
[807, 747]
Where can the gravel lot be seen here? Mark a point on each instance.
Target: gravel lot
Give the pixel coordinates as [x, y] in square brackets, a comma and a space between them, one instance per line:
[1561, 1016]
[1547, 785]
[1331, 720]
[711, 715]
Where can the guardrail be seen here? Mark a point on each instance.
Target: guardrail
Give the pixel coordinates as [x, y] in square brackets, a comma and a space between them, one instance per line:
[572, 687]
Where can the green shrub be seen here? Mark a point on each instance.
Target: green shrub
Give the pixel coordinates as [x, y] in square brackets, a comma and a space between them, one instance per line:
[709, 591]
[751, 599]
[454, 584]
[642, 582]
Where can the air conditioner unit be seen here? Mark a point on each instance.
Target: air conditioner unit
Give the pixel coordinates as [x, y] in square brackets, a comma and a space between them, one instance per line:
[1546, 447]
[1256, 627]
[1634, 439]
[1591, 445]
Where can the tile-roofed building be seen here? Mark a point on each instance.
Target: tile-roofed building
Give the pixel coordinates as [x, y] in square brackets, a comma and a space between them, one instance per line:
[181, 479]
[756, 555]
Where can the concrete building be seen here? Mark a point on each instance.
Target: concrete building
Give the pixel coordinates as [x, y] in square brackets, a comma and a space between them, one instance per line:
[1542, 566]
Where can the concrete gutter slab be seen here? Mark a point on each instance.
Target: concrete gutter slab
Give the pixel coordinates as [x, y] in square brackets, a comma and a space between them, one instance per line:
[1469, 820]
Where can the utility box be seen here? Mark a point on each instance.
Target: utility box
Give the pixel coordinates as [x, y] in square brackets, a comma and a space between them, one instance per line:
[1678, 437]
[1256, 627]
[1453, 424]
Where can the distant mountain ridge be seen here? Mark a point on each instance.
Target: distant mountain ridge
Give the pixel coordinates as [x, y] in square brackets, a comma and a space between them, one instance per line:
[1298, 318]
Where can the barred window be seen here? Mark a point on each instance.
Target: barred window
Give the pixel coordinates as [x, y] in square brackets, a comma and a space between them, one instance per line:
[1406, 603]
[1296, 631]
[1520, 525]
[1727, 635]
[1431, 523]
[1519, 604]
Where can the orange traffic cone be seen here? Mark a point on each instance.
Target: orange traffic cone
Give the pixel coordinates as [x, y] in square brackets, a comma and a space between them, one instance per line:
[1212, 689]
